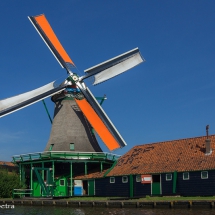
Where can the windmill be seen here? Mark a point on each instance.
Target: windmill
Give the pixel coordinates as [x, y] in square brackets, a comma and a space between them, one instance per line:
[76, 109]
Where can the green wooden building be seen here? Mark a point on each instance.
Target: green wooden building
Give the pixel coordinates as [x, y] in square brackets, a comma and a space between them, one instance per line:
[72, 150]
[51, 174]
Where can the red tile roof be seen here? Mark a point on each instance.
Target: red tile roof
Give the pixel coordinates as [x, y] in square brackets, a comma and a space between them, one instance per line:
[6, 163]
[177, 155]
[91, 174]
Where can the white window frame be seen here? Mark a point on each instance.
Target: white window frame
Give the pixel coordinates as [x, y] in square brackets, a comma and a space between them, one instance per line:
[202, 175]
[112, 178]
[138, 178]
[124, 179]
[168, 179]
[187, 177]
[63, 182]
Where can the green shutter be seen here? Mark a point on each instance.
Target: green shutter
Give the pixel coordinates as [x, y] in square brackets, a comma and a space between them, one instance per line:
[174, 182]
[72, 146]
[131, 186]
[51, 146]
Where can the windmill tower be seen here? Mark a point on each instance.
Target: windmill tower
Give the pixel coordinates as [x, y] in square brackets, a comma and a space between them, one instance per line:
[72, 150]
[70, 131]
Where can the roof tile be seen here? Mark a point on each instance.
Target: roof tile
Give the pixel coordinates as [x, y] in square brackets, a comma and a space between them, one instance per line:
[6, 163]
[177, 155]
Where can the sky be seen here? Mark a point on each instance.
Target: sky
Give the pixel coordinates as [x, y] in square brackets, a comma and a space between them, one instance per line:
[170, 96]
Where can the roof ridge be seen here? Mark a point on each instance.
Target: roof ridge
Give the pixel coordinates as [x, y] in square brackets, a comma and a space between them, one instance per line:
[188, 138]
[186, 154]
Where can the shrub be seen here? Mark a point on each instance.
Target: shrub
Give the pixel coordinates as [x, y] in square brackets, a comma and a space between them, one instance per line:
[8, 182]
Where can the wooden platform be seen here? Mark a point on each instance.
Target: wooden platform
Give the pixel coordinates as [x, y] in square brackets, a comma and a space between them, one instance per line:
[111, 203]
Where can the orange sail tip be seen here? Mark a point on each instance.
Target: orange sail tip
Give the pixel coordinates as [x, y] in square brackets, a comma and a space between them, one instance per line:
[97, 124]
[44, 29]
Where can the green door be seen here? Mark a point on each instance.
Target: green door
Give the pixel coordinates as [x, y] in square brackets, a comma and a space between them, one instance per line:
[156, 186]
[36, 189]
[61, 188]
[91, 187]
[36, 186]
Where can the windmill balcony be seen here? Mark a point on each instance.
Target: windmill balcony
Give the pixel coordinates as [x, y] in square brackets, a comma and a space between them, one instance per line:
[65, 155]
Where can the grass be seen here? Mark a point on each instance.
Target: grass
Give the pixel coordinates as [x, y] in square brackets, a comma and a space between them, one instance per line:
[148, 198]
[179, 198]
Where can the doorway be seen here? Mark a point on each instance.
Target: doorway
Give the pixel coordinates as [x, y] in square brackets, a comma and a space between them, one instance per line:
[85, 188]
[156, 185]
[89, 187]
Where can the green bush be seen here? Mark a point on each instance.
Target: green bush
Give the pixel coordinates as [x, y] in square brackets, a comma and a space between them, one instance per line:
[8, 182]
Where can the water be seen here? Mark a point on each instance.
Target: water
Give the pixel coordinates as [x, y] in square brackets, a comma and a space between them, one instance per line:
[52, 210]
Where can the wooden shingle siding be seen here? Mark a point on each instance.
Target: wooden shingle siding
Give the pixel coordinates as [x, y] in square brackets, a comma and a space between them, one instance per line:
[157, 160]
[166, 186]
[103, 187]
[141, 189]
[196, 186]
[79, 132]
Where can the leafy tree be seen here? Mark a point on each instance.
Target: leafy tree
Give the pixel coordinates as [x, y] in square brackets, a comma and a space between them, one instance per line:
[8, 182]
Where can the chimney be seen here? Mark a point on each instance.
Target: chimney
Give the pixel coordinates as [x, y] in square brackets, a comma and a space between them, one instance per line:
[208, 143]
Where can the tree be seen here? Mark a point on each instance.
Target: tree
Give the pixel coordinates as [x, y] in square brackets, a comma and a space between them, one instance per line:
[8, 182]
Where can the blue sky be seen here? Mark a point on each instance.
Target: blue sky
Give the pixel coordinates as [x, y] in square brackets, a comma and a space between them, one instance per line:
[170, 96]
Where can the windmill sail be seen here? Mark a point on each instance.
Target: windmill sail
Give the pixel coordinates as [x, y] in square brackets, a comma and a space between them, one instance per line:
[99, 120]
[45, 31]
[115, 66]
[18, 102]
[101, 72]
[97, 124]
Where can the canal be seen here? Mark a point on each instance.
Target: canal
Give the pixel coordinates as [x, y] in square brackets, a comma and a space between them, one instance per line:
[53, 210]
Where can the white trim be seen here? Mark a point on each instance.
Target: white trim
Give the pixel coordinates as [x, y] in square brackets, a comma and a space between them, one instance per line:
[188, 178]
[112, 182]
[116, 155]
[63, 182]
[125, 181]
[204, 177]
[139, 180]
[167, 175]
[160, 185]
[151, 186]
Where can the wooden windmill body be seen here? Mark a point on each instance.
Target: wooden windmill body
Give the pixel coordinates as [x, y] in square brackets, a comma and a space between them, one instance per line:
[70, 129]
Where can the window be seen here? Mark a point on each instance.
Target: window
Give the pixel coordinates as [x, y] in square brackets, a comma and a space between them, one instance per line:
[168, 177]
[138, 178]
[204, 174]
[186, 176]
[112, 179]
[62, 182]
[72, 146]
[124, 179]
[51, 146]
